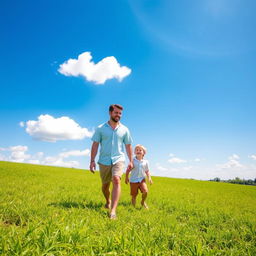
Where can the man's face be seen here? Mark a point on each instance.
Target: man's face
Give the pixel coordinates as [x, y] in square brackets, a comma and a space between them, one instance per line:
[116, 115]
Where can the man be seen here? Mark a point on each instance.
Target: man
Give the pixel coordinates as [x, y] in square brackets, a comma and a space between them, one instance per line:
[111, 135]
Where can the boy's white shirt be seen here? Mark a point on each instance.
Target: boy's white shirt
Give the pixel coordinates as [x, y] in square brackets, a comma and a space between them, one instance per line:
[138, 173]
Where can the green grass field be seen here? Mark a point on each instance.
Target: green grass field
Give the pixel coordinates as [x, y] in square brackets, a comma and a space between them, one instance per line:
[59, 211]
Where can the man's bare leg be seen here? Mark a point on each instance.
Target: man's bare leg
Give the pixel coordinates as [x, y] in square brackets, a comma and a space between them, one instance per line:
[116, 191]
[106, 193]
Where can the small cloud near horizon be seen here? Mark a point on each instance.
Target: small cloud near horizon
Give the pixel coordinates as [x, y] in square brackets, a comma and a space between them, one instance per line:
[176, 160]
[252, 157]
[18, 154]
[233, 162]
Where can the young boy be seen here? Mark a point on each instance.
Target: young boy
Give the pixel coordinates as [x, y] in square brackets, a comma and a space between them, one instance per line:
[138, 175]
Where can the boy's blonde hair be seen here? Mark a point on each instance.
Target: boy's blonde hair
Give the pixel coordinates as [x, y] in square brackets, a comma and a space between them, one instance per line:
[142, 147]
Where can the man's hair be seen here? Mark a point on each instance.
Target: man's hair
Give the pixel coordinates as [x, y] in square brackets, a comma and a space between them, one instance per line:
[111, 107]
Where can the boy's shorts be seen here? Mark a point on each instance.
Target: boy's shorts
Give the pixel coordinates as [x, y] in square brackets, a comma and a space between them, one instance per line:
[108, 171]
[135, 187]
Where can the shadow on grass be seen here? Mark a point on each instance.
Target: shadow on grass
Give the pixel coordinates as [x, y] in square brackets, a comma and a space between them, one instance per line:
[70, 204]
[99, 207]
[125, 204]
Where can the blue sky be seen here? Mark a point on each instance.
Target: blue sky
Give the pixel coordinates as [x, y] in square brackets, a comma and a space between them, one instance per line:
[185, 74]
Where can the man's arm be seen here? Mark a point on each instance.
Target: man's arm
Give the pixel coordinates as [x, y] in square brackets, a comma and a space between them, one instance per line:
[128, 148]
[94, 151]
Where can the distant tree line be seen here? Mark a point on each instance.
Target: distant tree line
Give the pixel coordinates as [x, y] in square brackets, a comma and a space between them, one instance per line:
[237, 180]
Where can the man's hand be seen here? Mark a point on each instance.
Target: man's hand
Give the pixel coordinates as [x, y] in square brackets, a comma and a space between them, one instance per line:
[150, 181]
[130, 166]
[92, 166]
[94, 150]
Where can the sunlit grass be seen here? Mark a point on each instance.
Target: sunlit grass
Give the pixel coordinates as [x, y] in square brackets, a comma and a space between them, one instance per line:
[59, 211]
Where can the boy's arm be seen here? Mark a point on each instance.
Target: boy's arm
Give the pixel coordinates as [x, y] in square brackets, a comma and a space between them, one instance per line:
[149, 177]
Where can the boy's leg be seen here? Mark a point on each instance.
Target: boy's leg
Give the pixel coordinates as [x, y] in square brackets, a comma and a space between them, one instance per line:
[117, 171]
[134, 200]
[134, 192]
[144, 196]
[144, 191]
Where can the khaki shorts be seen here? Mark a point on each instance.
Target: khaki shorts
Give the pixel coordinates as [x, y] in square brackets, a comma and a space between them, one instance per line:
[108, 171]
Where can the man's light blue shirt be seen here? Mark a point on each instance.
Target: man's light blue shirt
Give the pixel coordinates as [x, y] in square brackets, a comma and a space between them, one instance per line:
[112, 142]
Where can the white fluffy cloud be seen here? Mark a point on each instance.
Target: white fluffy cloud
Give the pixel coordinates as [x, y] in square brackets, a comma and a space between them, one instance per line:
[253, 157]
[37, 158]
[176, 160]
[187, 168]
[66, 154]
[2, 157]
[18, 154]
[18, 148]
[159, 167]
[198, 168]
[48, 128]
[174, 172]
[233, 162]
[60, 159]
[34, 161]
[107, 68]
[21, 124]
